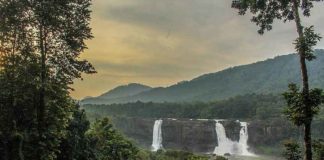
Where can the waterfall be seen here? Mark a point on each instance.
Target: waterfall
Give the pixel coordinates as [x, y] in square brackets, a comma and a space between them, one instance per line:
[243, 140]
[225, 145]
[157, 135]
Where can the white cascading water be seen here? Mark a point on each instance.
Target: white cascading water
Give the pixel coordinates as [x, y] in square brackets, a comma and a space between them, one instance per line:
[243, 140]
[225, 145]
[157, 135]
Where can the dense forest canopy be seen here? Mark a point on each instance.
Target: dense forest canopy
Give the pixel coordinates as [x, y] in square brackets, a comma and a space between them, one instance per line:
[248, 107]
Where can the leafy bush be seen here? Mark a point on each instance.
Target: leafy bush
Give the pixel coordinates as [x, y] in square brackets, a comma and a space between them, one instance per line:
[110, 144]
[318, 146]
[168, 155]
[293, 151]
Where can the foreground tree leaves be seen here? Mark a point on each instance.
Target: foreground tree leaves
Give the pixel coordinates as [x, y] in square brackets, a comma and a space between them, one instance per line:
[292, 150]
[301, 106]
[318, 146]
[40, 45]
[76, 145]
[109, 143]
[296, 110]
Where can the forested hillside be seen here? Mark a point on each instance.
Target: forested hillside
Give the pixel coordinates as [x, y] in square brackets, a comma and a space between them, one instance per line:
[268, 125]
[119, 92]
[265, 77]
[241, 107]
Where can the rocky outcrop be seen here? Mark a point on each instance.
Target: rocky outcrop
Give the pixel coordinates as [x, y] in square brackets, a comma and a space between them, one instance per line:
[232, 129]
[190, 135]
[272, 132]
[200, 135]
[138, 129]
[184, 134]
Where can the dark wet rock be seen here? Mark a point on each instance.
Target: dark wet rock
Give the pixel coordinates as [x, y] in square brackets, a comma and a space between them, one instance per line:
[189, 135]
[200, 135]
[138, 129]
[270, 132]
[232, 129]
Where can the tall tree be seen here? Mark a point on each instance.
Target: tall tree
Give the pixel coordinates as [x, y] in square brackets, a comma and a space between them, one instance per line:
[302, 105]
[40, 45]
[17, 87]
[61, 28]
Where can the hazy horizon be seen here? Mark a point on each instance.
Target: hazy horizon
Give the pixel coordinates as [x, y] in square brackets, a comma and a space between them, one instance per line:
[159, 43]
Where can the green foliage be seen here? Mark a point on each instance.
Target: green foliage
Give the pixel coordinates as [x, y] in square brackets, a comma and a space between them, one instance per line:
[298, 104]
[265, 77]
[169, 155]
[307, 42]
[76, 145]
[19, 135]
[292, 150]
[318, 146]
[274, 150]
[100, 142]
[41, 41]
[220, 158]
[301, 106]
[265, 12]
[241, 107]
[110, 144]
[143, 155]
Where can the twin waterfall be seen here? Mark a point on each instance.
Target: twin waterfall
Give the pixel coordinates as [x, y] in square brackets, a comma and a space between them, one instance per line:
[157, 135]
[225, 145]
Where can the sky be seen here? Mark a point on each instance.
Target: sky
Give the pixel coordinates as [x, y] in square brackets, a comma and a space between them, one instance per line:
[162, 42]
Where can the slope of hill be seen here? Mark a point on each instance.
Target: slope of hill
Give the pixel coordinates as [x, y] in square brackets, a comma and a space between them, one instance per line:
[118, 92]
[269, 76]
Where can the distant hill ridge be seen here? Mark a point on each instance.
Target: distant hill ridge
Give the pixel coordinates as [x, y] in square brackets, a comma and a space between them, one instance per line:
[264, 77]
[118, 92]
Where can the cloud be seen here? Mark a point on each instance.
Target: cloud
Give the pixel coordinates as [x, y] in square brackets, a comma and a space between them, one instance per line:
[160, 42]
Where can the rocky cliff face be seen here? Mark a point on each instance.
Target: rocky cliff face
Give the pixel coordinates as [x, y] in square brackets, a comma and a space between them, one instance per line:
[190, 135]
[271, 132]
[274, 131]
[138, 129]
[200, 135]
[184, 134]
[232, 129]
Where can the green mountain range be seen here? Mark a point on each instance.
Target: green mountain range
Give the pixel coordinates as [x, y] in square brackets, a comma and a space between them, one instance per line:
[263, 77]
[118, 92]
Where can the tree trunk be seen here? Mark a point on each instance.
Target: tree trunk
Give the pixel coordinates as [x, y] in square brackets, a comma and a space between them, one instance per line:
[20, 149]
[42, 89]
[6, 151]
[304, 74]
[41, 105]
[308, 141]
